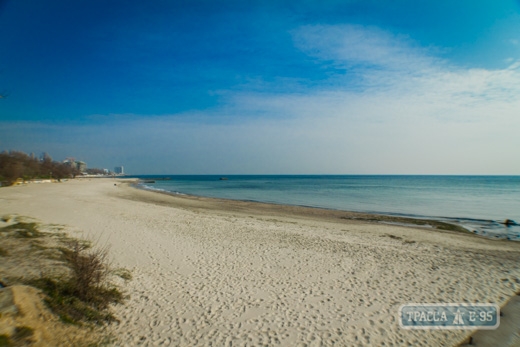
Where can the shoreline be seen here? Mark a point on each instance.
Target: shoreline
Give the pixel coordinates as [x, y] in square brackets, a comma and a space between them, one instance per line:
[438, 224]
[217, 271]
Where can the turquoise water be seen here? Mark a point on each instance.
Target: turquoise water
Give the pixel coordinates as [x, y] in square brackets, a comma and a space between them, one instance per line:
[475, 202]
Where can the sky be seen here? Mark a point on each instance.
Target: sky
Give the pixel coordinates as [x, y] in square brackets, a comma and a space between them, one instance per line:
[264, 87]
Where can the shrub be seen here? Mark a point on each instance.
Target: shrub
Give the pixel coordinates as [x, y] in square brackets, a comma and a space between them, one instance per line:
[90, 269]
[86, 294]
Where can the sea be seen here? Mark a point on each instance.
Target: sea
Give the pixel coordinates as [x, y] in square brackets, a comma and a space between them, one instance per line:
[478, 203]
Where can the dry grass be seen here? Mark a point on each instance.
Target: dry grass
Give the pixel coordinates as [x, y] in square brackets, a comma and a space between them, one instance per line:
[23, 230]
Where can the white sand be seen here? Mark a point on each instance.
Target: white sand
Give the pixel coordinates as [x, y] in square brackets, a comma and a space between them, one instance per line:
[209, 272]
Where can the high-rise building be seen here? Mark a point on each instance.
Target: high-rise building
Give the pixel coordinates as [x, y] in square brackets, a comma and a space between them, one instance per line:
[119, 170]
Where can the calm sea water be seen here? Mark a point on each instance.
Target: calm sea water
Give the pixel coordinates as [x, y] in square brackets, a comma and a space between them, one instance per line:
[478, 203]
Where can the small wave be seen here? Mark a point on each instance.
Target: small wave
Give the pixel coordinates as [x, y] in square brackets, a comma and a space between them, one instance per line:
[155, 189]
[146, 187]
[488, 228]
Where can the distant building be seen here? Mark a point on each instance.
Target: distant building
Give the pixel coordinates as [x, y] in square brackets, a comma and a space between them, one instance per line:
[80, 165]
[119, 170]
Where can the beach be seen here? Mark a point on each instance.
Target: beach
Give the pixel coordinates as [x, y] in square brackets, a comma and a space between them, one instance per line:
[230, 273]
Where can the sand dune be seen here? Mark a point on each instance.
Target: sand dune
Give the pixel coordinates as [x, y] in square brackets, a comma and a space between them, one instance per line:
[211, 272]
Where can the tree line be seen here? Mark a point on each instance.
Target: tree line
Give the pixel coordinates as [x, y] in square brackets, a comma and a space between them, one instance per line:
[15, 164]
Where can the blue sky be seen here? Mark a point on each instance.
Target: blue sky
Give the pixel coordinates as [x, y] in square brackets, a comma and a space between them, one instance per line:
[264, 87]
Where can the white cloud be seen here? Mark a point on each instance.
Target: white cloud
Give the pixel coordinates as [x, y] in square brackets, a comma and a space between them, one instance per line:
[351, 45]
[411, 112]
